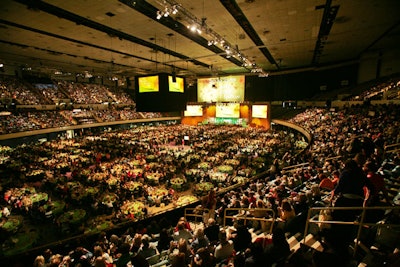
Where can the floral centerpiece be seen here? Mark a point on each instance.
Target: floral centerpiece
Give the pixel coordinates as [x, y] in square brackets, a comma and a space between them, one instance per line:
[159, 192]
[240, 180]
[218, 176]
[97, 176]
[150, 158]
[232, 162]
[186, 200]
[133, 209]
[136, 172]
[153, 177]
[133, 186]
[248, 172]
[204, 165]
[204, 187]
[112, 181]
[35, 174]
[72, 216]
[109, 197]
[137, 162]
[225, 169]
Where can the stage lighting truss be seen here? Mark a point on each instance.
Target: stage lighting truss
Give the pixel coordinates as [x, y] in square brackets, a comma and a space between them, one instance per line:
[199, 26]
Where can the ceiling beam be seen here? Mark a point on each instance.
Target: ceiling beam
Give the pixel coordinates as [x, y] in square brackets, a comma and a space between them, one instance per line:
[59, 12]
[151, 12]
[325, 27]
[233, 8]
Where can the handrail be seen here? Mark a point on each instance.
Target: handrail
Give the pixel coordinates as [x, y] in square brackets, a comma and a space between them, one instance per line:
[291, 167]
[360, 223]
[247, 215]
[387, 146]
[197, 212]
[394, 148]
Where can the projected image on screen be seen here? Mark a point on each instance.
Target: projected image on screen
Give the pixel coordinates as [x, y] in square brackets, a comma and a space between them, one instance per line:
[148, 84]
[230, 88]
[227, 110]
[193, 110]
[259, 111]
[177, 86]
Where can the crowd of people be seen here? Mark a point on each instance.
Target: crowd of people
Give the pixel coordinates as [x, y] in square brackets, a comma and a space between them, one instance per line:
[289, 192]
[118, 176]
[345, 166]
[387, 90]
[26, 93]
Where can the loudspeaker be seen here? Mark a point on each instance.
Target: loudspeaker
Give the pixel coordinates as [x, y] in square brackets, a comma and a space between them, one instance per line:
[174, 77]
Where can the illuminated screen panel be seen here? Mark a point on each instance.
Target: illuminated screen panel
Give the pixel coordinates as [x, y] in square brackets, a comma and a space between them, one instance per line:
[193, 110]
[227, 110]
[177, 86]
[148, 84]
[259, 111]
[221, 89]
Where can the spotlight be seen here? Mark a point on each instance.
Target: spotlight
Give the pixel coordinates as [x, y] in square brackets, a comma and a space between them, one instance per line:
[210, 43]
[174, 10]
[159, 14]
[194, 28]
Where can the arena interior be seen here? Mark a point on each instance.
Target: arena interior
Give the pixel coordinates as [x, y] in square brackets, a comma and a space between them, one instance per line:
[249, 133]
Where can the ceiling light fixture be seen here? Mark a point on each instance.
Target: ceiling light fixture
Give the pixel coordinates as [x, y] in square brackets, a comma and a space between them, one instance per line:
[159, 14]
[167, 9]
[199, 26]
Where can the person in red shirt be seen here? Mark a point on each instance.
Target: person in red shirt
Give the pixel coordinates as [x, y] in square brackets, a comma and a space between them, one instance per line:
[378, 184]
[326, 182]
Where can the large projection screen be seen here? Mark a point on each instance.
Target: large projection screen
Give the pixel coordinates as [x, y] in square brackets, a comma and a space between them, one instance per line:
[260, 111]
[221, 89]
[177, 86]
[227, 110]
[148, 84]
[193, 110]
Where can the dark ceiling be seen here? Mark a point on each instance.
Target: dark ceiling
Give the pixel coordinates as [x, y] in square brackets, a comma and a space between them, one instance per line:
[125, 38]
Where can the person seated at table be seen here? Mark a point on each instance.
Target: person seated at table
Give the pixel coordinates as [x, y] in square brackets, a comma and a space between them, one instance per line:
[147, 250]
[286, 211]
[212, 230]
[99, 253]
[225, 247]
[186, 223]
[164, 240]
[136, 242]
[300, 203]
[39, 261]
[203, 258]
[335, 177]
[137, 260]
[99, 262]
[180, 246]
[378, 183]
[241, 237]
[182, 232]
[325, 182]
[123, 255]
[278, 250]
[257, 212]
[200, 240]
[179, 260]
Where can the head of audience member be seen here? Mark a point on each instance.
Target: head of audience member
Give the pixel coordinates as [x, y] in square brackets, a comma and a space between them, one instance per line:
[100, 262]
[39, 261]
[179, 260]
